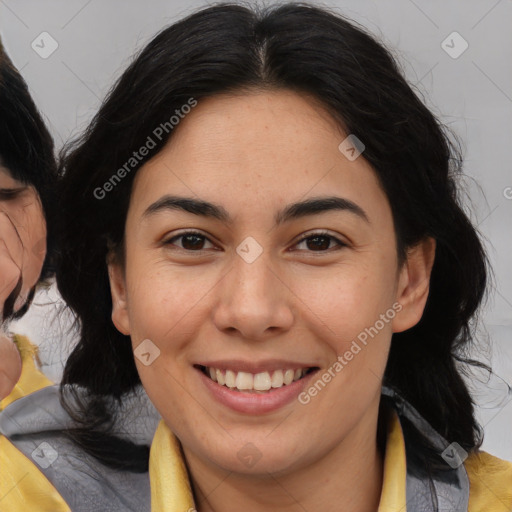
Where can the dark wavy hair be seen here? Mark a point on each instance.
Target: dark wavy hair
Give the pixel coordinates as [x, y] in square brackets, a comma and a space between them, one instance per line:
[304, 48]
[27, 152]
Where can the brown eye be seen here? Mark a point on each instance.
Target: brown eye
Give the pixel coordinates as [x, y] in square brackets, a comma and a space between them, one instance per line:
[190, 241]
[320, 242]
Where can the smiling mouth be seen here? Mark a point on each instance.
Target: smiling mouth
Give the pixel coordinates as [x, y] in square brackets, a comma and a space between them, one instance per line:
[263, 382]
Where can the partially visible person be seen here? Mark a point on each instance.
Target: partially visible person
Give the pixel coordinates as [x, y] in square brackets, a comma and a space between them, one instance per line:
[27, 178]
[28, 173]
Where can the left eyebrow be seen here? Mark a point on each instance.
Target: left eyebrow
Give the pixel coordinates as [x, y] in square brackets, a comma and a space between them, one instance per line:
[312, 206]
[319, 205]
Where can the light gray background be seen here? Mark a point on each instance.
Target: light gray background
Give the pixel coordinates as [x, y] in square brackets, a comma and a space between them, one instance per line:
[471, 93]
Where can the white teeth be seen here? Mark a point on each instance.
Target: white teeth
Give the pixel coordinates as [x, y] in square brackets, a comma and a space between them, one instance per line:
[288, 377]
[220, 378]
[263, 381]
[277, 379]
[244, 380]
[230, 379]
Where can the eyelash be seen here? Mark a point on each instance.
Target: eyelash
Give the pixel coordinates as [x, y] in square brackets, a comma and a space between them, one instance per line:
[310, 235]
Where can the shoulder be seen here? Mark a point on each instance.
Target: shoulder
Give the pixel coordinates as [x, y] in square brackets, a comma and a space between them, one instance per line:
[490, 482]
[475, 482]
[22, 485]
[47, 472]
[38, 459]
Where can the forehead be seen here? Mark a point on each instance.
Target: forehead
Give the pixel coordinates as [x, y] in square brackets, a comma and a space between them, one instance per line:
[273, 123]
[269, 147]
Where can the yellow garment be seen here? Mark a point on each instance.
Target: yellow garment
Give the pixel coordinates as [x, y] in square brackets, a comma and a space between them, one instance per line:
[24, 488]
[31, 379]
[170, 486]
[490, 480]
[393, 494]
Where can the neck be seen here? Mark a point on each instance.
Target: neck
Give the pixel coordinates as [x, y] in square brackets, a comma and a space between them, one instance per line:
[349, 478]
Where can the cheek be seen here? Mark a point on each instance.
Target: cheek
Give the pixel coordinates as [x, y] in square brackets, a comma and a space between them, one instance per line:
[350, 313]
[345, 300]
[163, 319]
[38, 233]
[33, 236]
[164, 299]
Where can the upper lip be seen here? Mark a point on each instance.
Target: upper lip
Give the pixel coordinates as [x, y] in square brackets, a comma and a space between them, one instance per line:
[238, 365]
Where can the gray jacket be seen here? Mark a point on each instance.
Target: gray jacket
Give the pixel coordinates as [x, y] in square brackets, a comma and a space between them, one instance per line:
[34, 424]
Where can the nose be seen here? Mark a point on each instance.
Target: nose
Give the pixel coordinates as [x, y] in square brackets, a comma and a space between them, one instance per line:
[254, 301]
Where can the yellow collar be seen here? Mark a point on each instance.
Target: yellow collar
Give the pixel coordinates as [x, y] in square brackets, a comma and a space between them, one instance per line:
[171, 490]
[170, 486]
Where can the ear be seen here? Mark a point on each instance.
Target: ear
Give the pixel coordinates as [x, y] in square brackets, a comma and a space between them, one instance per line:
[120, 317]
[414, 284]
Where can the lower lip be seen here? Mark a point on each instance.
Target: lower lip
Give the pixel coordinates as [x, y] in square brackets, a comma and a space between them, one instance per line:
[256, 403]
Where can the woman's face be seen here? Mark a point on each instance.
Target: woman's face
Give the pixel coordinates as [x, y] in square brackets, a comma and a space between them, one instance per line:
[263, 291]
[22, 237]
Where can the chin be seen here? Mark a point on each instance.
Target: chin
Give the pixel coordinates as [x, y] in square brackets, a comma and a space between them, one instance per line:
[257, 458]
